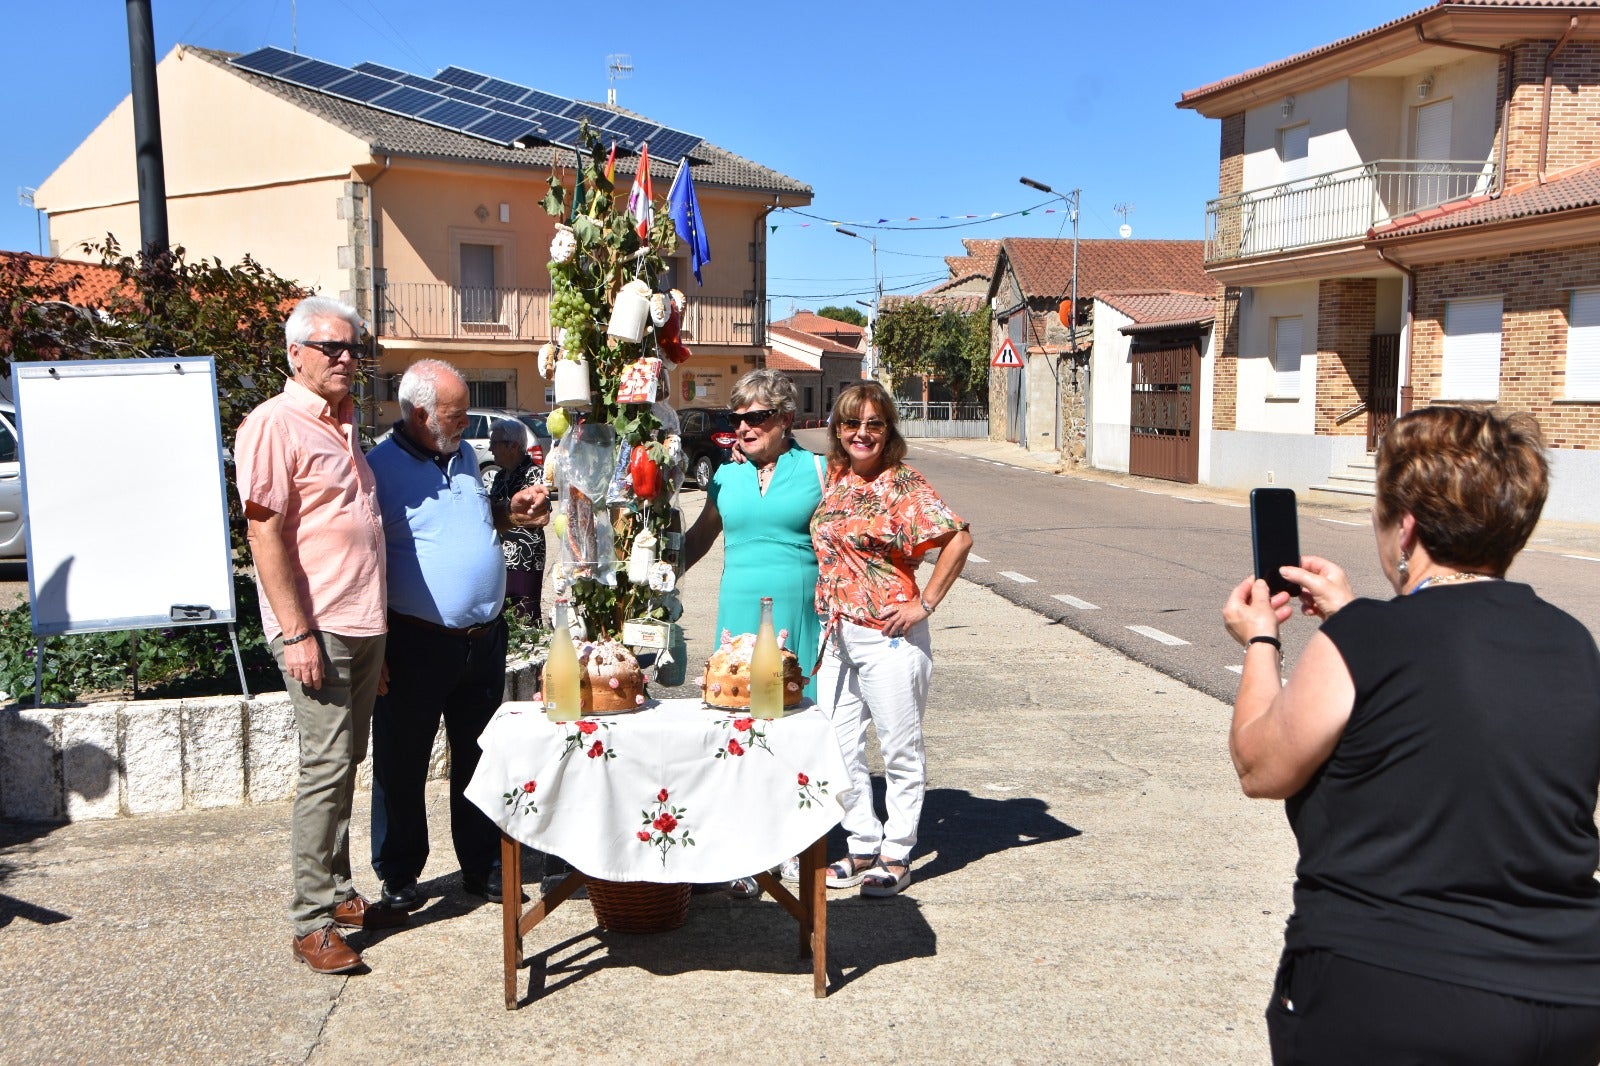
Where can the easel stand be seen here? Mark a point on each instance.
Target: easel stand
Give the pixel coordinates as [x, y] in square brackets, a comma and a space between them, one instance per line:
[38, 665]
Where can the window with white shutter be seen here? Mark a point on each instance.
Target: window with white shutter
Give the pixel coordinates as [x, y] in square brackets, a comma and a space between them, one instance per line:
[1583, 345]
[1287, 336]
[1471, 349]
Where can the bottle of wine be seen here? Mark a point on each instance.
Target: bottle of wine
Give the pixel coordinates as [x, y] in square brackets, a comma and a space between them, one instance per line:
[562, 702]
[766, 669]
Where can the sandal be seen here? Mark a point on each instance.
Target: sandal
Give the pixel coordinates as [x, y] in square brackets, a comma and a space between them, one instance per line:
[744, 888]
[848, 871]
[790, 871]
[881, 881]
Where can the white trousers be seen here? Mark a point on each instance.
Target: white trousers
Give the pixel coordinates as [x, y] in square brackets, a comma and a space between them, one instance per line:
[868, 677]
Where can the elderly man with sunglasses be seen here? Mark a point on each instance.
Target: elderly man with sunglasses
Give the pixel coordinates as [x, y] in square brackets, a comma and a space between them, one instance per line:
[311, 505]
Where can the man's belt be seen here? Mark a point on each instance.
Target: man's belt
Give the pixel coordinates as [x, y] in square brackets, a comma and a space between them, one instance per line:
[469, 633]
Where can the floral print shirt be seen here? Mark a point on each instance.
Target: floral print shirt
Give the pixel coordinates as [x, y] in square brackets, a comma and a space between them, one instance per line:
[870, 536]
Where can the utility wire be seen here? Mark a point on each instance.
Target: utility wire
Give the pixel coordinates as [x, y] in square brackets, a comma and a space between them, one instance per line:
[920, 229]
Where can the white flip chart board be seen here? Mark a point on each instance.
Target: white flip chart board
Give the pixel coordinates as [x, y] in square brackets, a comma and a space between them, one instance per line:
[123, 483]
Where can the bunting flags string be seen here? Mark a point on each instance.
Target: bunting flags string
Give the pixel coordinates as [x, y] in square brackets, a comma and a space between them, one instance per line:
[888, 223]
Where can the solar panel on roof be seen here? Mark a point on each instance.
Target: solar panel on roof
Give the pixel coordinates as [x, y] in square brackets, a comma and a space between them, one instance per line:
[455, 92]
[404, 100]
[595, 116]
[671, 145]
[502, 128]
[455, 114]
[379, 70]
[515, 109]
[270, 61]
[315, 74]
[467, 79]
[364, 88]
[503, 90]
[555, 105]
[634, 129]
[557, 130]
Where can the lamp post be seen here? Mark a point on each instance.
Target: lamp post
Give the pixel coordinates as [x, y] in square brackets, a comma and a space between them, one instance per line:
[1071, 199]
[877, 294]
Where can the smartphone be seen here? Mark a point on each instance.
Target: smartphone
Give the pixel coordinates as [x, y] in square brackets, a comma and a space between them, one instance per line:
[1274, 537]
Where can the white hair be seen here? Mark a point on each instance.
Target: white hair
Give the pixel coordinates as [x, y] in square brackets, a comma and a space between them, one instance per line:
[419, 385]
[297, 330]
[511, 430]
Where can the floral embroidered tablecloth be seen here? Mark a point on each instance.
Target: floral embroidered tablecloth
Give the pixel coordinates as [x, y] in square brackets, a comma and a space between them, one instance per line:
[674, 792]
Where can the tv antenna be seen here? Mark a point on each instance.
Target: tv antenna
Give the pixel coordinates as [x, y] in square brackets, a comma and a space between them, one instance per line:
[619, 65]
[1124, 230]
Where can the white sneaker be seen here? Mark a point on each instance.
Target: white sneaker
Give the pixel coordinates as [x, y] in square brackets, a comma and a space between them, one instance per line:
[790, 871]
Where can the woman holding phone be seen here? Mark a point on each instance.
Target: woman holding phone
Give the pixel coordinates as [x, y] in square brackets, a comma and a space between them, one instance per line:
[1440, 755]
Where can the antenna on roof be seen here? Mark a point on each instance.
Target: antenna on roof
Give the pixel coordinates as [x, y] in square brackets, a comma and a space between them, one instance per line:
[618, 66]
[1124, 230]
[294, 32]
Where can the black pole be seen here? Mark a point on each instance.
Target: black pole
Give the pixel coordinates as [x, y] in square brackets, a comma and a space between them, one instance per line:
[147, 130]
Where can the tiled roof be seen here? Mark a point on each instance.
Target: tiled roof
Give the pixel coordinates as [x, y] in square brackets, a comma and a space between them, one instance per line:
[388, 134]
[1567, 190]
[91, 283]
[1235, 80]
[1151, 310]
[964, 302]
[1043, 266]
[811, 340]
[821, 326]
[777, 360]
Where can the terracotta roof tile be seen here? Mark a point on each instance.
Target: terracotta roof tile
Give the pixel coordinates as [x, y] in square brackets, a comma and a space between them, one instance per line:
[1044, 266]
[91, 283]
[1161, 309]
[1568, 190]
[822, 344]
[777, 360]
[810, 322]
[964, 302]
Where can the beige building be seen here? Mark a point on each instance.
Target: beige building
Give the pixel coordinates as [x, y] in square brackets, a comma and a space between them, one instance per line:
[435, 235]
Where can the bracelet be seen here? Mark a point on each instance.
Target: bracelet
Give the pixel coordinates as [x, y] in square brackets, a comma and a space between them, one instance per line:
[1274, 641]
[925, 608]
[295, 640]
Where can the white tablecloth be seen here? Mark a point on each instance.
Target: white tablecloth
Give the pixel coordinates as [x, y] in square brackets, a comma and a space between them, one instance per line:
[674, 792]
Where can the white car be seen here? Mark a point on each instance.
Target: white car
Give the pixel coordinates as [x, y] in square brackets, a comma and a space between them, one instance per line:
[13, 522]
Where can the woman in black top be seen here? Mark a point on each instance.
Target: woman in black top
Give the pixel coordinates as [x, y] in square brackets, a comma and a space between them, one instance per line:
[1440, 754]
[523, 545]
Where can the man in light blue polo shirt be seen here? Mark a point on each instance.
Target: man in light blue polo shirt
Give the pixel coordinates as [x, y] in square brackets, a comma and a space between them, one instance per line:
[447, 651]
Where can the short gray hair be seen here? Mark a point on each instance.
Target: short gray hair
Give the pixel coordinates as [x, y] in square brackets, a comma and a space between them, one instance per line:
[510, 430]
[419, 385]
[297, 329]
[770, 388]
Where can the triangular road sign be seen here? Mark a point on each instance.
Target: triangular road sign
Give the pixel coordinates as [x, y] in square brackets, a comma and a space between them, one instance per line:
[1007, 356]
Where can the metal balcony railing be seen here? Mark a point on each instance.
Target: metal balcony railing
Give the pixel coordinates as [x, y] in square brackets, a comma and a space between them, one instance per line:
[436, 311]
[1338, 206]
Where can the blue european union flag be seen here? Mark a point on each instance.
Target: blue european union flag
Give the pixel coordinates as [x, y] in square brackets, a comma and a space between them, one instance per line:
[684, 209]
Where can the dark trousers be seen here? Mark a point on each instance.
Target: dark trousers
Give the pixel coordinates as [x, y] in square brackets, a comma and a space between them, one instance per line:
[433, 673]
[1328, 1009]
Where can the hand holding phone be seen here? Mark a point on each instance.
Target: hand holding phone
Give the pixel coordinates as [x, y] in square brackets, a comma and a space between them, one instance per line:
[1274, 537]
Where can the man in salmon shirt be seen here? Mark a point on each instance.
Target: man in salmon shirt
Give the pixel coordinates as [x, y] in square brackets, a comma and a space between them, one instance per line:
[317, 542]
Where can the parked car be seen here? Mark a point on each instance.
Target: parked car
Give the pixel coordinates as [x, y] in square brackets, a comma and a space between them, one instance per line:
[13, 520]
[480, 419]
[707, 441]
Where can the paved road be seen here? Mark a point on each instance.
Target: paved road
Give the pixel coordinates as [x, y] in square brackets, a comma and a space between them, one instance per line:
[1145, 569]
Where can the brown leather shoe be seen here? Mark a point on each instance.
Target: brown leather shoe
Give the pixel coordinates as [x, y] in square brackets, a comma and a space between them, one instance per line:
[358, 912]
[326, 952]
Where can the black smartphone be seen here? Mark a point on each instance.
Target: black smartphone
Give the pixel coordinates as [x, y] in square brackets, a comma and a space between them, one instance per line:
[1274, 537]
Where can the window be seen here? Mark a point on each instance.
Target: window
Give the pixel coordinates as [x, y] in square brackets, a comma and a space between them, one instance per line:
[811, 400]
[8, 445]
[477, 284]
[1471, 349]
[1294, 150]
[1432, 183]
[487, 393]
[1583, 345]
[1287, 334]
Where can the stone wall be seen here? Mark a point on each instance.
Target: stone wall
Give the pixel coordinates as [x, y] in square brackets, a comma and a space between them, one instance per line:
[1346, 316]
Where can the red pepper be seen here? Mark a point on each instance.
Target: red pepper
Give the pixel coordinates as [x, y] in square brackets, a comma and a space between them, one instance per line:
[646, 475]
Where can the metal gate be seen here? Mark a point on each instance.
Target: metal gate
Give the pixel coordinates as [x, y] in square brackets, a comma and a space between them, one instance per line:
[1383, 393]
[1017, 381]
[1162, 438]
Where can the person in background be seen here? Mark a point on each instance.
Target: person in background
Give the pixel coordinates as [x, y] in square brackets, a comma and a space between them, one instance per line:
[446, 655]
[1440, 757]
[877, 521]
[523, 546]
[311, 508]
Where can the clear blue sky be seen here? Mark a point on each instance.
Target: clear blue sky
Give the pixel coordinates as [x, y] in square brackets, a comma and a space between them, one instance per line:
[885, 110]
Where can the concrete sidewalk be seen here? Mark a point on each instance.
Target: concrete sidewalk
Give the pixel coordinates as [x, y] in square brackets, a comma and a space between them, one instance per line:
[1090, 887]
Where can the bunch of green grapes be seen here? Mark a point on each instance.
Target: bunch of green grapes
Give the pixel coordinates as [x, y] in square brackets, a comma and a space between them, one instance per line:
[568, 309]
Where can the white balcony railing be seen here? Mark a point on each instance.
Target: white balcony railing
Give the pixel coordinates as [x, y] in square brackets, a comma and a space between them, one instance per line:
[1338, 206]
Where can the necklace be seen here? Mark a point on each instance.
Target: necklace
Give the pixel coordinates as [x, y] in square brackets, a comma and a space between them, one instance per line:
[1452, 579]
[764, 475]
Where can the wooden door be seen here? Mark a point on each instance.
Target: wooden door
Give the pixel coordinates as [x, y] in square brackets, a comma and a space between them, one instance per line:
[1164, 441]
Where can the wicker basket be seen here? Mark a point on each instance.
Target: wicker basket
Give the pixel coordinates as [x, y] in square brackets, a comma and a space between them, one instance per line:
[638, 906]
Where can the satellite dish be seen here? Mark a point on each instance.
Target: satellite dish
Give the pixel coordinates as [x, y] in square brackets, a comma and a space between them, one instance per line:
[1125, 231]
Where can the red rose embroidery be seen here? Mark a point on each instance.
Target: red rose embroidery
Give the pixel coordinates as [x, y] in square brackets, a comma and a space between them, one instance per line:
[586, 726]
[804, 780]
[743, 724]
[530, 786]
[643, 835]
[735, 748]
[661, 797]
[598, 750]
[665, 822]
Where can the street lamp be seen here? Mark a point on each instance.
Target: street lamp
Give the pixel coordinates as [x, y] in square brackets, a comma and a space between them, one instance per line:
[1071, 199]
[877, 294]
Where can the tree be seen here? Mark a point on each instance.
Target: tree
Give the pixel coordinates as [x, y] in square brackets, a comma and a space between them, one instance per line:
[843, 314]
[944, 345]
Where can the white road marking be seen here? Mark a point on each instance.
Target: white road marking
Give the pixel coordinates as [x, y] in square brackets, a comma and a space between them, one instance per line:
[973, 557]
[1021, 579]
[1227, 503]
[1158, 636]
[1073, 601]
[1585, 558]
[1342, 522]
[1234, 669]
[1111, 484]
[1152, 492]
[1188, 499]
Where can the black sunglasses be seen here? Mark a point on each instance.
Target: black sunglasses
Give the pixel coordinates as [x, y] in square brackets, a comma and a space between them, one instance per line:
[753, 419]
[334, 349]
[874, 425]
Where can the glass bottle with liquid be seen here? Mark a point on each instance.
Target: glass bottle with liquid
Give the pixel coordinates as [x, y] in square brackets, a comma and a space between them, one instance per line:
[766, 669]
[562, 700]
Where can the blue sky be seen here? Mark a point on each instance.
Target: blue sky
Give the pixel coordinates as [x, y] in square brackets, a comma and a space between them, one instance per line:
[886, 110]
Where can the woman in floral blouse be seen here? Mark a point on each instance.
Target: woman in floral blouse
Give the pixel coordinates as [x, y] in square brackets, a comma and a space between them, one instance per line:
[877, 520]
[523, 546]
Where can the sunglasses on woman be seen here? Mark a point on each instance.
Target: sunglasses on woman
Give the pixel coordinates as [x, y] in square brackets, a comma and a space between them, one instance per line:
[874, 425]
[754, 419]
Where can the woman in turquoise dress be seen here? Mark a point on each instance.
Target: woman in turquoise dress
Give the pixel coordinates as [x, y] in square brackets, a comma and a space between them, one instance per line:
[763, 507]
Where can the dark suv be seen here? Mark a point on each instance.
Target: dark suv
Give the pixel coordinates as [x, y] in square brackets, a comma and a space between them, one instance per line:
[707, 441]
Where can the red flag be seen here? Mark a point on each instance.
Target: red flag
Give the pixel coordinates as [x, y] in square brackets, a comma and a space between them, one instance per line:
[641, 203]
